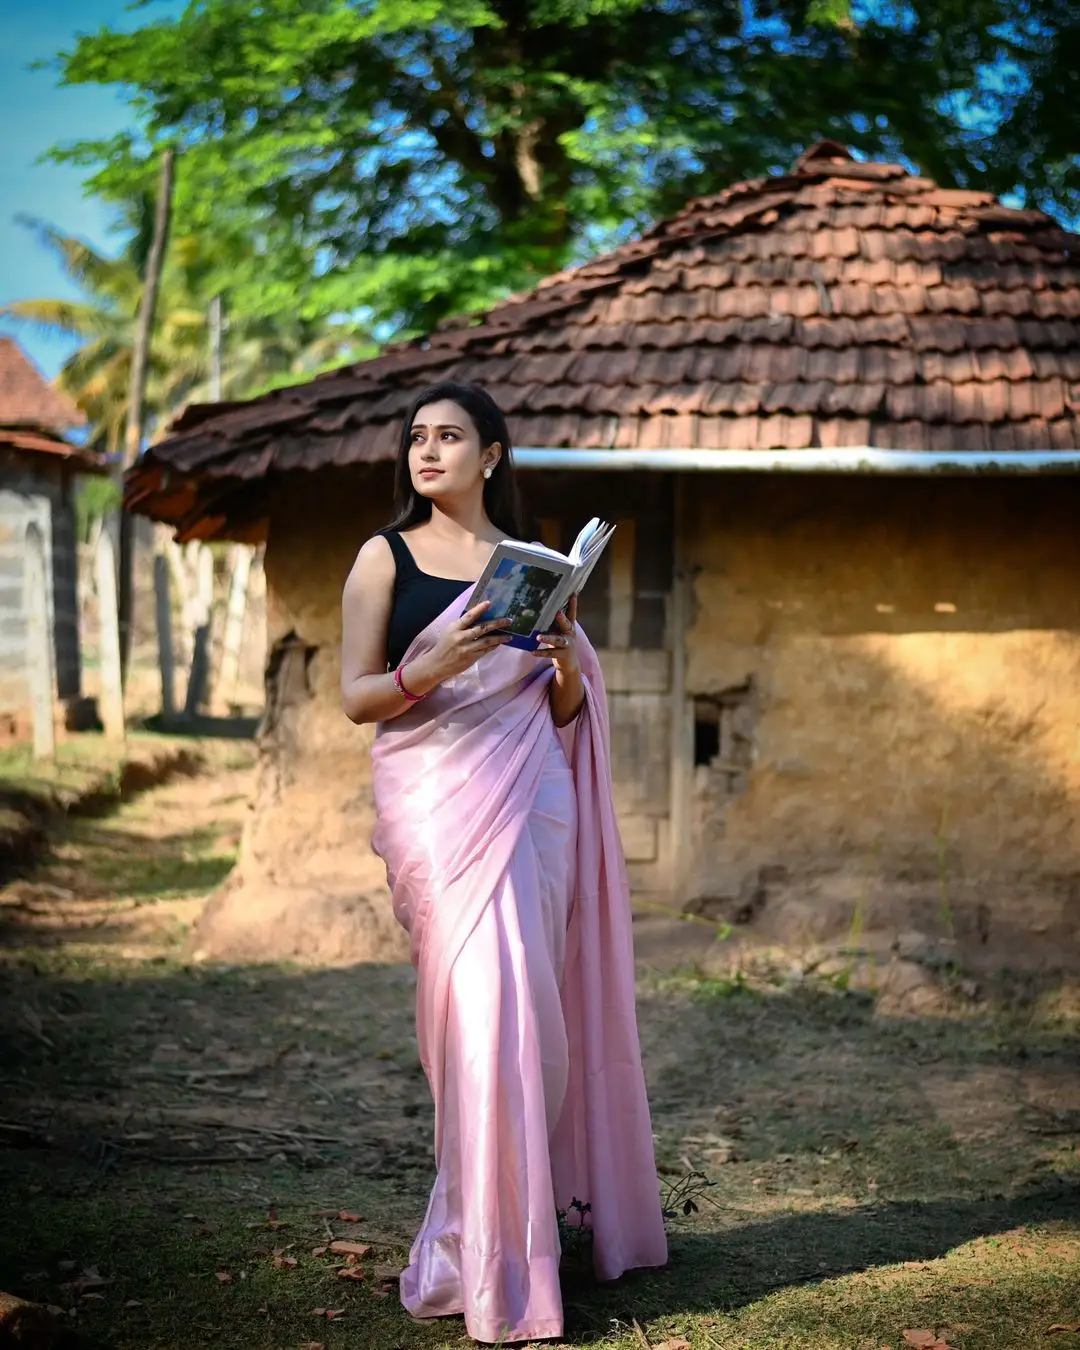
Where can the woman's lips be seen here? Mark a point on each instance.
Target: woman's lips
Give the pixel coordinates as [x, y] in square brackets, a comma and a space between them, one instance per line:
[431, 473]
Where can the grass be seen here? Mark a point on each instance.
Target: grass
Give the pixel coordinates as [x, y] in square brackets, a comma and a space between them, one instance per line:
[837, 1224]
[176, 1130]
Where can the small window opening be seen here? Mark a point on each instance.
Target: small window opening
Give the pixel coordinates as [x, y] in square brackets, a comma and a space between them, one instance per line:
[706, 731]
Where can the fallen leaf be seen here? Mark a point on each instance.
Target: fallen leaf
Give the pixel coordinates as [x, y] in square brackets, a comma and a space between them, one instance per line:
[333, 1313]
[56, 1312]
[99, 1297]
[916, 1265]
[1065, 1326]
[343, 1248]
[350, 1273]
[325, 1214]
[262, 1312]
[925, 1340]
[225, 1277]
[133, 1303]
[346, 1216]
[87, 1280]
[285, 1262]
[677, 1344]
[318, 1312]
[312, 1345]
[319, 1251]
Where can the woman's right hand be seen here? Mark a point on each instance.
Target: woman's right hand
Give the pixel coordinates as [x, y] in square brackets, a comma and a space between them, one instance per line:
[462, 643]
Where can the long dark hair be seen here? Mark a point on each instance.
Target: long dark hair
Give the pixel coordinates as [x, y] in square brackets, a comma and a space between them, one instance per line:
[501, 500]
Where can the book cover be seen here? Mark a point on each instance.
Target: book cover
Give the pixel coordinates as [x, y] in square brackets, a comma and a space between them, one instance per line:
[529, 583]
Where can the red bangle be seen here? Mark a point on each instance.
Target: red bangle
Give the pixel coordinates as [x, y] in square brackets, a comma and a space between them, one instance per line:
[411, 698]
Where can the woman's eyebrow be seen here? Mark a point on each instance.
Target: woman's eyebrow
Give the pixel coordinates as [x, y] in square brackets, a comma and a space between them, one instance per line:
[447, 426]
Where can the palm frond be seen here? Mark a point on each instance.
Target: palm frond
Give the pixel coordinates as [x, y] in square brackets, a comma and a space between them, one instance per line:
[75, 317]
[113, 277]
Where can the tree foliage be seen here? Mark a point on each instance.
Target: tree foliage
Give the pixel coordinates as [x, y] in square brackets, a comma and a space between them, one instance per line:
[408, 157]
[257, 352]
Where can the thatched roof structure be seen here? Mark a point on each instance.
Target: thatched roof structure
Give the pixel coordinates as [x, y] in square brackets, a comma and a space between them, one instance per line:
[842, 304]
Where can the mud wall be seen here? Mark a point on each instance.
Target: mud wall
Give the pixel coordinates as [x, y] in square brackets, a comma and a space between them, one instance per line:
[307, 884]
[886, 682]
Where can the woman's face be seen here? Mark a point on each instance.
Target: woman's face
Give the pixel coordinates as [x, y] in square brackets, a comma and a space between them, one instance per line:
[445, 456]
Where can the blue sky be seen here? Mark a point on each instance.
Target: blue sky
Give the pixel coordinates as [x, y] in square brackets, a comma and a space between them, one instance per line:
[34, 115]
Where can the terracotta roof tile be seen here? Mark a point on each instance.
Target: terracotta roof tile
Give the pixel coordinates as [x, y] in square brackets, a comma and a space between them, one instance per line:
[841, 304]
[30, 441]
[27, 399]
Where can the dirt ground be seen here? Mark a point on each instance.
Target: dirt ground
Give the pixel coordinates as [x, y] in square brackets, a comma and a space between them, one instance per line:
[180, 1144]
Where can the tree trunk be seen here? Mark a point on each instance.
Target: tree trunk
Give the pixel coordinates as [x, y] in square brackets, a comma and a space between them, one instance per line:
[140, 353]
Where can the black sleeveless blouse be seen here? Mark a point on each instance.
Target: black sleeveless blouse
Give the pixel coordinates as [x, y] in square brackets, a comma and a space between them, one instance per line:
[418, 599]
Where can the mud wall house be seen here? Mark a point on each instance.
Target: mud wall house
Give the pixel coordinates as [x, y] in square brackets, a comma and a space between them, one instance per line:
[39, 468]
[837, 415]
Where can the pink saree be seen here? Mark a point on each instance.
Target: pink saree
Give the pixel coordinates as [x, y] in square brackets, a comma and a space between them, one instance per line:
[503, 857]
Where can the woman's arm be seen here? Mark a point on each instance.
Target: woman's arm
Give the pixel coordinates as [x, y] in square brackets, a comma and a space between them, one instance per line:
[368, 692]
[567, 695]
[567, 692]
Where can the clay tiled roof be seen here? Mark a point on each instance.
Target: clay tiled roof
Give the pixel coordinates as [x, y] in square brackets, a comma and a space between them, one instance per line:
[843, 304]
[26, 397]
[60, 451]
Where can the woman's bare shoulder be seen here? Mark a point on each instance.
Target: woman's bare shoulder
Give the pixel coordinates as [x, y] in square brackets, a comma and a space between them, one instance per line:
[374, 565]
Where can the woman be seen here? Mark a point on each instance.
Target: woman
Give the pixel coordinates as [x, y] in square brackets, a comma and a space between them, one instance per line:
[496, 825]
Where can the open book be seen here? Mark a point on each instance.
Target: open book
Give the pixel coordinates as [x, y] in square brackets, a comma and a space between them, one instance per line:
[529, 584]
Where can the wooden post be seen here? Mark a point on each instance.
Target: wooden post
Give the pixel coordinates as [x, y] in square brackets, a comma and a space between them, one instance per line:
[163, 612]
[39, 646]
[682, 719]
[199, 678]
[112, 688]
[621, 586]
[140, 355]
[551, 532]
[182, 582]
[229, 671]
[215, 349]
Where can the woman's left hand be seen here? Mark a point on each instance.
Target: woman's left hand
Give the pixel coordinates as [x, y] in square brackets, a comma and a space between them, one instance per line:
[560, 645]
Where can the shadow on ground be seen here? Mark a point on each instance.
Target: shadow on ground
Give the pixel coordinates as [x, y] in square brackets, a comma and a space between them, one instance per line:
[137, 1094]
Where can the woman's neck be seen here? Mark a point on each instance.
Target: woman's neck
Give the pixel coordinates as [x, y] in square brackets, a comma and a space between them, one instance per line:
[461, 525]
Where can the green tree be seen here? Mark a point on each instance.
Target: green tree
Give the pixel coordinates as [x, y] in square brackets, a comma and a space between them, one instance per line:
[259, 351]
[407, 158]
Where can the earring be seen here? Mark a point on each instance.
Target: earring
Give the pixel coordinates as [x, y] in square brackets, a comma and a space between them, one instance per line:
[487, 472]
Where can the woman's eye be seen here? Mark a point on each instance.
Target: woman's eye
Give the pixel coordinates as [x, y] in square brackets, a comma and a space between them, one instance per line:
[449, 436]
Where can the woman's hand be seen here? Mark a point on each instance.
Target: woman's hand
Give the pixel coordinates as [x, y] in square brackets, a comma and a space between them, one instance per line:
[460, 645]
[560, 648]
[560, 645]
